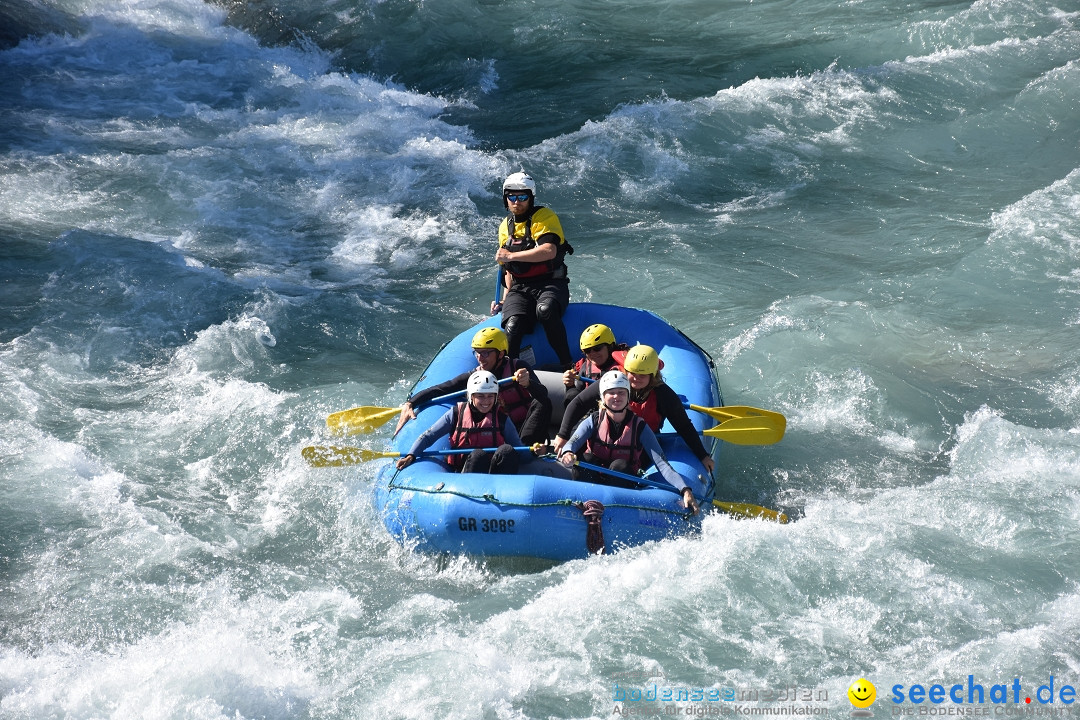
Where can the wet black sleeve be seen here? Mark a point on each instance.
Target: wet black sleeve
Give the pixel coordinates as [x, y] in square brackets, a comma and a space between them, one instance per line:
[672, 409]
[428, 394]
[579, 407]
[536, 387]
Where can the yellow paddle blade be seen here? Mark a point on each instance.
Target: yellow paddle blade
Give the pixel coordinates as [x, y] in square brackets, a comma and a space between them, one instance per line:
[363, 419]
[333, 456]
[774, 419]
[747, 431]
[751, 511]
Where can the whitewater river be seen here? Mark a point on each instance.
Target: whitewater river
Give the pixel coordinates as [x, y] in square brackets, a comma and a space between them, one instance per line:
[220, 222]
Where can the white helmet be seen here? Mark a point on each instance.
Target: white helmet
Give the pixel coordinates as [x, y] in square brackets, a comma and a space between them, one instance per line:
[613, 380]
[481, 381]
[519, 181]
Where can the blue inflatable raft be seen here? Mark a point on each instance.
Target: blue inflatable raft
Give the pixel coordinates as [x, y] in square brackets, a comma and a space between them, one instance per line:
[536, 515]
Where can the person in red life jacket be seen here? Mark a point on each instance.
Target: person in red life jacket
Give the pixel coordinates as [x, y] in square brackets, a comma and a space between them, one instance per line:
[479, 424]
[617, 439]
[531, 251]
[650, 399]
[525, 400]
[601, 353]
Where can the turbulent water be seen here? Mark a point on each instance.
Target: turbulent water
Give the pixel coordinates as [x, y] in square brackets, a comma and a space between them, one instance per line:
[221, 222]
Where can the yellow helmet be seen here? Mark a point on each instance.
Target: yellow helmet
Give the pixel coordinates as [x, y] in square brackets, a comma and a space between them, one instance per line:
[642, 360]
[490, 337]
[596, 335]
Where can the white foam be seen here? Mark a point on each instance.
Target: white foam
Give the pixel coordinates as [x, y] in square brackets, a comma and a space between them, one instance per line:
[211, 668]
[216, 140]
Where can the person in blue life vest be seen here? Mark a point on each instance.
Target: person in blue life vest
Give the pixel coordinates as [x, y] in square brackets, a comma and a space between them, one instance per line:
[479, 424]
[525, 400]
[531, 251]
[616, 438]
[650, 398]
[600, 353]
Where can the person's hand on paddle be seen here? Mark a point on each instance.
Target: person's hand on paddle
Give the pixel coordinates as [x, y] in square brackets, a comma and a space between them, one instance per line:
[557, 444]
[521, 377]
[707, 461]
[540, 449]
[568, 459]
[689, 501]
[569, 378]
[406, 415]
[405, 462]
[496, 307]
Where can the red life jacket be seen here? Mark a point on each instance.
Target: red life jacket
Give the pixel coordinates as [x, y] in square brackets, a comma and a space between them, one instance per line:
[627, 446]
[587, 368]
[515, 400]
[553, 268]
[648, 410]
[468, 432]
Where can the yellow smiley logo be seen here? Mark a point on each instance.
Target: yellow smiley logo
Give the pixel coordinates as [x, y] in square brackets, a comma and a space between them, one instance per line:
[862, 693]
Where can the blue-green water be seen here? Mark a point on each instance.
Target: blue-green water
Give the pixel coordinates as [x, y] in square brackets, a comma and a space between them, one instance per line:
[221, 222]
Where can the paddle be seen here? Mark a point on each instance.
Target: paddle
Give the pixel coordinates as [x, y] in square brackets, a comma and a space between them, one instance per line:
[734, 509]
[339, 456]
[368, 418]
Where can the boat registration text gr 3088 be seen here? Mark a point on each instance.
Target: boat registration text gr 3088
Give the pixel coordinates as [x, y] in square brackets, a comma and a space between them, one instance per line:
[471, 524]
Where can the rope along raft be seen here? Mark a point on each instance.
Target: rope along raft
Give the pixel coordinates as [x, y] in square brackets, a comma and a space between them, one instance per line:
[593, 510]
[491, 498]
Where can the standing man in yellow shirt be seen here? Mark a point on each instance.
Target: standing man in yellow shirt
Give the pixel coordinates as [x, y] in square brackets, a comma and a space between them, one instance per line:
[531, 251]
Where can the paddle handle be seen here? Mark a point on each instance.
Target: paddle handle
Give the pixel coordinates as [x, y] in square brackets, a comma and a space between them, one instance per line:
[498, 290]
[465, 451]
[626, 476]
